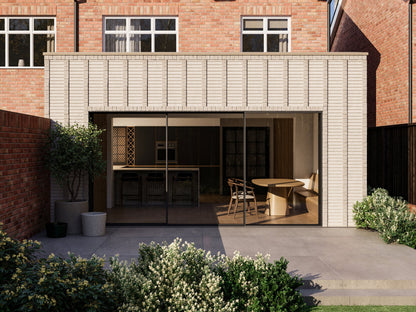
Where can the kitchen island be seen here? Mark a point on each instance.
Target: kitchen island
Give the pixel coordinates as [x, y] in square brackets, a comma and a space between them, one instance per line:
[146, 185]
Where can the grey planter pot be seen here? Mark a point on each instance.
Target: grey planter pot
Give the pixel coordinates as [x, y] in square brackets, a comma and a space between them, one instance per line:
[93, 223]
[70, 212]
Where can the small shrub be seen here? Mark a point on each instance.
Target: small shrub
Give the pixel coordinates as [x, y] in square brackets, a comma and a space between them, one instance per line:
[15, 256]
[387, 215]
[53, 283]
[257, 285]
[366, 213]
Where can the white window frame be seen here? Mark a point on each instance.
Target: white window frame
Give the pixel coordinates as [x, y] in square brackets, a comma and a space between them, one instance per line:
[128, 32]
[30, 32]
[266, 32]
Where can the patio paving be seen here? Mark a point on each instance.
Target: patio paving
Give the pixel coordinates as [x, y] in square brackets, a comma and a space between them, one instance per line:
[341, 264]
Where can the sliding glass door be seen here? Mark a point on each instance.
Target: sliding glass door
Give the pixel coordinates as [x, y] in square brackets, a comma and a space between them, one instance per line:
[215, 168]
[139, 170]
[282, 166]
[207, 156]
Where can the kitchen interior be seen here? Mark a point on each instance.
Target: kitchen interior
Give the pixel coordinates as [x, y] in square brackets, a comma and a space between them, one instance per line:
[176, 169]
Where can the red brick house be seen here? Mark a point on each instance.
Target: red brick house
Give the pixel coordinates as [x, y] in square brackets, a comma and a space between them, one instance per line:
[383, 28]
[221, 89]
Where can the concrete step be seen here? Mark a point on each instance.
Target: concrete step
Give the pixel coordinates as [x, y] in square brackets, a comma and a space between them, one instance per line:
[359, 292]
[359, 284]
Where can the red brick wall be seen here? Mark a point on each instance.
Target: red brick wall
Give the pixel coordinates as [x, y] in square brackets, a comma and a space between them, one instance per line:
[204, 26]
[22, 91]
[380, 28]
[24, 182]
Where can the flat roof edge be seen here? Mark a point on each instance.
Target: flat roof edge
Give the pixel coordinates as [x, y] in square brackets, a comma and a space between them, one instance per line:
[112, 54]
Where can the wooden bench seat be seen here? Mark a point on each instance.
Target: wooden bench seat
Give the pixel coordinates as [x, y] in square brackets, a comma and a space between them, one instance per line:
[308, 198]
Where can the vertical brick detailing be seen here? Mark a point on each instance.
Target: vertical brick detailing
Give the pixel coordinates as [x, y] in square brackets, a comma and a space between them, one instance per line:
[24, 182]
[381, 29]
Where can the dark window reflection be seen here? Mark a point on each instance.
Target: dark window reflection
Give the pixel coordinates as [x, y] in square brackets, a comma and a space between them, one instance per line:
[141, 43]
[165, 24]
[1, 24]
[2, 50]
[19, 49]
[18, 24]
[253, 43]
[115, 43]
[140, 24]
[42, 43]
[165, 43]
[115, 24]
[277, 43]
[44, 24]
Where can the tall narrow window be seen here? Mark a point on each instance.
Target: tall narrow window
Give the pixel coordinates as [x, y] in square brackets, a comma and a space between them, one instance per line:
[265, 34]
[23, 40]
[139, 34]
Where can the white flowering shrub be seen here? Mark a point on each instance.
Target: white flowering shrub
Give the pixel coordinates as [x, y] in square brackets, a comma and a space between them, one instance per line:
[179, 277]
[366, 213]
[389, 216]
[176, 277]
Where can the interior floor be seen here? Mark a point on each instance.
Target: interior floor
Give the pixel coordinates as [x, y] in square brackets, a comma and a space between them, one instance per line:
[207, 213]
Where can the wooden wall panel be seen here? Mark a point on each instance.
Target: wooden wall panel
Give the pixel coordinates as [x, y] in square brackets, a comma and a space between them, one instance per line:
[390, 164]
[283, 148]
[100, 183]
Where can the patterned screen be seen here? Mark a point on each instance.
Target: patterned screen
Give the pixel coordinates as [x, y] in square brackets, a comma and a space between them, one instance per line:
[119, 145]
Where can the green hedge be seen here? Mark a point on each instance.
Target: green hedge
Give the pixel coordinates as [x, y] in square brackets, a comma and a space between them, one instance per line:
[389, 216]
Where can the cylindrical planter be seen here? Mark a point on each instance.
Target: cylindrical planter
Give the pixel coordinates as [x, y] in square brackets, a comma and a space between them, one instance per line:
[56, 230]
[70, 212]
[93, 223]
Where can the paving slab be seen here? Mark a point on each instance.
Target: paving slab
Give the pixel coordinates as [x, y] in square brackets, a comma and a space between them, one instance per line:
[324, 253]
[339, 265]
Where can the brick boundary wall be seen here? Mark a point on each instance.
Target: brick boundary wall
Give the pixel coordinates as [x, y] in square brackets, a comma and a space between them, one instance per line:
[24, 182]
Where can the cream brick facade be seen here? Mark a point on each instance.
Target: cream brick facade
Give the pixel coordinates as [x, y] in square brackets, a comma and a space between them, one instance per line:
[331, 84]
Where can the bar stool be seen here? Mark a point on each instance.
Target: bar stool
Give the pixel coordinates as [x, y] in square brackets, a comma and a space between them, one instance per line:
[131, 188]
[155, 188]
[182, 188]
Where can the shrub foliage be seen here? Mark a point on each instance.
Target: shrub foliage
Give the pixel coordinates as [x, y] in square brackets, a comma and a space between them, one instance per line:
[180, 277]
[30, 283]
[176, 277]
[389, 216]
[258, 285]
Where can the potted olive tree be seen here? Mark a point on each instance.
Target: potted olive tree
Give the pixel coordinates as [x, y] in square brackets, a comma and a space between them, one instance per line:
[73, 153]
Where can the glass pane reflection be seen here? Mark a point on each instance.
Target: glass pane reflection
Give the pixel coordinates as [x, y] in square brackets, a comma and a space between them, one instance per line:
[253, 43]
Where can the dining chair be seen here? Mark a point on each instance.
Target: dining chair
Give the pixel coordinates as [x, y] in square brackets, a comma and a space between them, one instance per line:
[237, 194]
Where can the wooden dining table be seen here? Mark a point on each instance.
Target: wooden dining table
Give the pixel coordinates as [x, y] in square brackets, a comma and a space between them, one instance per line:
[278, 192]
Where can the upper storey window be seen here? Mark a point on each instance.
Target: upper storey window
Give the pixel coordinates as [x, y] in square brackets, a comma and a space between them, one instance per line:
[265, 34]
[24, 39]
[141, 34]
